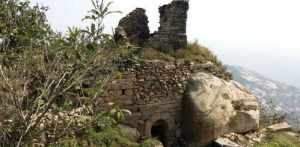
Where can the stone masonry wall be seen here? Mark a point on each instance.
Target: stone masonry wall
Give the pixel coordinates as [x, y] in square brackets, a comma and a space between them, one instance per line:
[133, 28]
[171, 34]
[153, 91]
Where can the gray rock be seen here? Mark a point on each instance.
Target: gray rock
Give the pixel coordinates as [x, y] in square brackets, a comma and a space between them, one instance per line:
[213, 107]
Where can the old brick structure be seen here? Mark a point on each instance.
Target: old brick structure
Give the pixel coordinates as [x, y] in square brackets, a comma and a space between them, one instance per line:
[153, 92]
[171, 34]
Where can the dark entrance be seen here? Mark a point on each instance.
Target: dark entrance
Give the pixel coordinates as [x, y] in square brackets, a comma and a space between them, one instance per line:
[159, 131]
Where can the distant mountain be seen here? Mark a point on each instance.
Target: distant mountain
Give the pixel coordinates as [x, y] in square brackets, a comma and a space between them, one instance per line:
[286, 98]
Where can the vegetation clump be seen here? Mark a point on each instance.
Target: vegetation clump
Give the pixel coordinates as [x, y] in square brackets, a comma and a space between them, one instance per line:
[49, 83]
[194, 52]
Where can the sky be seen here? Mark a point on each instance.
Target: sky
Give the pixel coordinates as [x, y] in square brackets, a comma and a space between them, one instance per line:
[261, 35]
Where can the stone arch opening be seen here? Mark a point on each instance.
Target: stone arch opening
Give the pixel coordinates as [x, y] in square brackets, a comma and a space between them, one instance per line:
[159, 130]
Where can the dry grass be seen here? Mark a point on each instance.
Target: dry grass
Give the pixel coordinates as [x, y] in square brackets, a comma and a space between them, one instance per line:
[153, 54]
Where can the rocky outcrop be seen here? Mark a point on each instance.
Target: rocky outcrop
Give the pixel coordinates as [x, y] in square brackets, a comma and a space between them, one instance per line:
[171, 34]
[213, 107]
[133, 28]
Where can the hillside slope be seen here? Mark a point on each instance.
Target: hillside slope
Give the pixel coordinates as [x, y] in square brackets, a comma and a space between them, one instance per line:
[285, 97]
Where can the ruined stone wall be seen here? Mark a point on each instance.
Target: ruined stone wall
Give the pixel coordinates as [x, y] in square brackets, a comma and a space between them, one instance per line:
[153, 91]
[171, 34]
[133, 28]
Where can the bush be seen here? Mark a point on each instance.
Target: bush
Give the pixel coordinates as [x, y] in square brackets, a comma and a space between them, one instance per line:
[21, 25]
[49, 82]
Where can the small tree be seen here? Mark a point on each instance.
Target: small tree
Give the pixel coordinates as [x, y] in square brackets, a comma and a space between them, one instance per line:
[95, 32]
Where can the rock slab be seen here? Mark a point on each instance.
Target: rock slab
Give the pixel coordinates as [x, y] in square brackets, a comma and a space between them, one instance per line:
[284, 126]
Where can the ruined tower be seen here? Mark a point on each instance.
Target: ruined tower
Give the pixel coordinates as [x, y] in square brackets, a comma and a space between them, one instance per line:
[171, 34]
[133, 28]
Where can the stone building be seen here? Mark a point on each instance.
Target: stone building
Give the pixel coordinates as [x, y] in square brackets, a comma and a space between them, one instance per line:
[153, 91]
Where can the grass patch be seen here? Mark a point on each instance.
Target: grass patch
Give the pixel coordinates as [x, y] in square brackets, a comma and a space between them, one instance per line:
[194, 52]
[197, 53]
[279, 140]
[153, 54]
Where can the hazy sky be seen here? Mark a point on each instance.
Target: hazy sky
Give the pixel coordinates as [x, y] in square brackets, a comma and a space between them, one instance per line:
[262, 35]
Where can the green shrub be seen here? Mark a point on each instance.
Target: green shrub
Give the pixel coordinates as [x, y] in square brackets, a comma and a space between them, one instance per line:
[22, 25]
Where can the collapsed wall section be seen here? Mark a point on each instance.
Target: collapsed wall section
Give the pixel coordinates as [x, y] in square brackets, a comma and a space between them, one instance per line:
[133, 28]
[171, 34]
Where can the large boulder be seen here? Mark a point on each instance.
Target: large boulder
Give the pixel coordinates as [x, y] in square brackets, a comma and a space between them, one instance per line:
[213, 107]
[133, 28]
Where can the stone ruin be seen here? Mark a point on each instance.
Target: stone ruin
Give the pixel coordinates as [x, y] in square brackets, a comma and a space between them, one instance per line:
[133, 28]
[156, 91]
[171, 34]
[153, 91]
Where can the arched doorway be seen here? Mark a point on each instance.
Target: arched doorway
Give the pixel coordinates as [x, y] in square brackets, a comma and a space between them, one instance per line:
[159, 130]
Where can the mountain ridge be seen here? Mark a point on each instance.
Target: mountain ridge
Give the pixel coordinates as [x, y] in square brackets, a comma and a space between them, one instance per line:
[285, 97]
